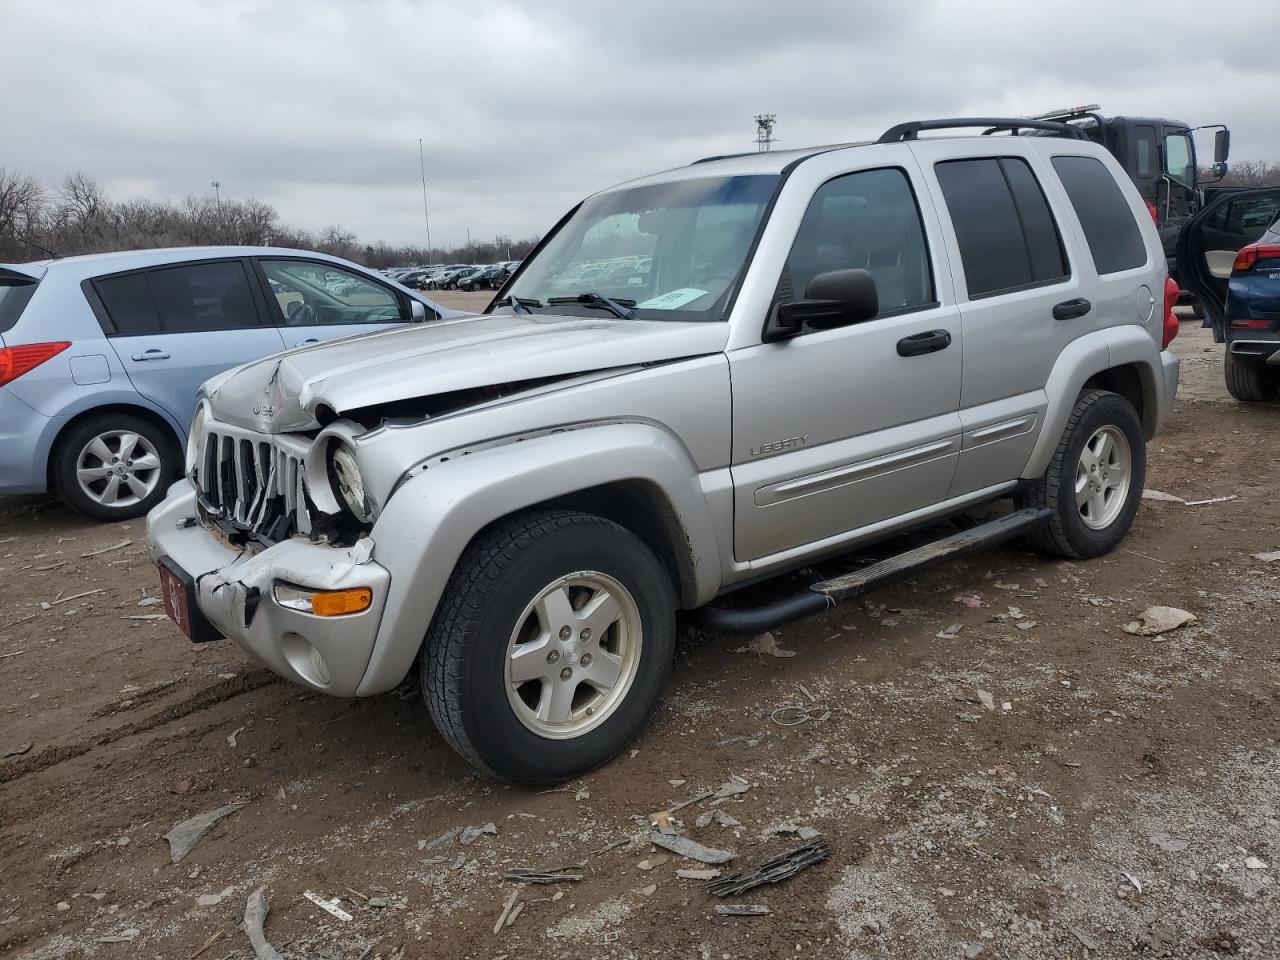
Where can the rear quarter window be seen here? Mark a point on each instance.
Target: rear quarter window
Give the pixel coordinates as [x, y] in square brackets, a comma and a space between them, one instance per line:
[1105, 216]
[14, 297]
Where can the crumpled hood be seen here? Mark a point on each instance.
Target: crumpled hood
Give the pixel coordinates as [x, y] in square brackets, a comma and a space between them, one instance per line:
[281, 393]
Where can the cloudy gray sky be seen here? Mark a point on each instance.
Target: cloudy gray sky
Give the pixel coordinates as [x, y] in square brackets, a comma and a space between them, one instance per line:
[527, 105]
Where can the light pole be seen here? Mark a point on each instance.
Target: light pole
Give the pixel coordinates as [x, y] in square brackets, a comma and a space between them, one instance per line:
[217, 196]
[426, 217]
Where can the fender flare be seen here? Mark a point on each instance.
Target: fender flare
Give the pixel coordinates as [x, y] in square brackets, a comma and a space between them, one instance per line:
[433, 516]
[1085, 357]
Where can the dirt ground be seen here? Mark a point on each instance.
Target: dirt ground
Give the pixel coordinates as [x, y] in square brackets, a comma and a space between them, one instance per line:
[1121, 799]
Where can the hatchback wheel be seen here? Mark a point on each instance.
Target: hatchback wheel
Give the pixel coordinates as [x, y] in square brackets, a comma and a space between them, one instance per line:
[115, 466]
[550, 646]
[1251, 382]
[1094, 482]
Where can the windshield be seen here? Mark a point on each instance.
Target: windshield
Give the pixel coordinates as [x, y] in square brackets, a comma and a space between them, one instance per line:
[670, 251]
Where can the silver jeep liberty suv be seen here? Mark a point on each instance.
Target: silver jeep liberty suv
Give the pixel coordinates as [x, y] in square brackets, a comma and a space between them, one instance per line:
[699, 379]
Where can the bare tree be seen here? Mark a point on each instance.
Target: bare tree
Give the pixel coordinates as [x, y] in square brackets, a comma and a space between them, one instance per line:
[21, 203]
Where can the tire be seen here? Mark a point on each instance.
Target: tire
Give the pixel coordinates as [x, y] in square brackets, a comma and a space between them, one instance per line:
[1093, 528]
[1250, 382]
[120, 490]
[490, 604]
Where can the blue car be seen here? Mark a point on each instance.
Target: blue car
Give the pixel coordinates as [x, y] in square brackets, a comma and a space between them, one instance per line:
[101, 356]
[1229, 256]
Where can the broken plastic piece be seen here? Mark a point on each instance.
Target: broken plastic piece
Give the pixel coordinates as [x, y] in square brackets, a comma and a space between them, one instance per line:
[774, 870]
[185, 835]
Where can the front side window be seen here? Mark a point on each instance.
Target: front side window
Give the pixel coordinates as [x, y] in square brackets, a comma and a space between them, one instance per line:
[1104, 214]
[668, 251]
[867, 220]
[1005, 230]
[310, 294]
[1179, 161]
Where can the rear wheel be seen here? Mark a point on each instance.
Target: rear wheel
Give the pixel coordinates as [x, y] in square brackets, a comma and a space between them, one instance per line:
[115, 466]
[550, 646]
[1252, 382]
[1094, 482]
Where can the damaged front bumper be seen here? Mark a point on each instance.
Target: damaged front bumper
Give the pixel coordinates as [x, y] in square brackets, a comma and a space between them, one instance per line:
[235, 591]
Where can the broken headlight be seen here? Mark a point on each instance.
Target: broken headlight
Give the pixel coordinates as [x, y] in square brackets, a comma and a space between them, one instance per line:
[348, 483]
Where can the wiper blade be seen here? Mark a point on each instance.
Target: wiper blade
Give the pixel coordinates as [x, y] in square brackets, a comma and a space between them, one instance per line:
[619, 308]
[518, 304]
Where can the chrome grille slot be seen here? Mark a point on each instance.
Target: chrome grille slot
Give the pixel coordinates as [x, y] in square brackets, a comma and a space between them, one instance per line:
[252, 480]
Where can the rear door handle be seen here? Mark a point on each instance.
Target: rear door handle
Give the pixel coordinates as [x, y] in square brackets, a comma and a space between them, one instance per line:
[155, 353]
[1070, 309]
[927, 342]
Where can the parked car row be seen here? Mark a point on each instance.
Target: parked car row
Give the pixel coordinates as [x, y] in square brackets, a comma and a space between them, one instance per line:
[101, 356]
[455, 276]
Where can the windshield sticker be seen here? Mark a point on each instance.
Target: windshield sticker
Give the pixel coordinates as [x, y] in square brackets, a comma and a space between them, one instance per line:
[673, 300]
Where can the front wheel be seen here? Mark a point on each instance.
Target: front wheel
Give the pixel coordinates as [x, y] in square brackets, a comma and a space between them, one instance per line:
[550, 646]
[1094, 482]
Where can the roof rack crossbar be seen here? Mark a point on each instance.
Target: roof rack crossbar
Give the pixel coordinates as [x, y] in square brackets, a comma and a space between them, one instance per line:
[911, 130]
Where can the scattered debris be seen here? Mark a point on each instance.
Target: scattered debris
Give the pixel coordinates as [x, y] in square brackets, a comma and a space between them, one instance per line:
[775, 869]
[746, 740]
[16, 653]
[124, 936]
[731, 788]
[767, 644]
[717, 816]
[1161, 496]
[471, 834]
[231, 737]
[45, 605]
[1270, 557]
[506, 910]
[1157, 620]
[742, 910]
[329, 906]
[115, 546]
[1027, 624]
[950, 633]
[650, 862]
[973, 950]
[1169, 844]
[968, 599]
[986, 699]
[1146, 556]
[439, 841]
[16, 751]
[967, 717]
[685, 847]
[1086, 941]
[625, 841]
[546, 875]
[794, 714]
[1202, 503]
[1137, 884]
[213, 938]
[213, 899]
[184, 836]
[255, 917]
[689, 873]
[790, 829]
[582, 794]
[1254, 863]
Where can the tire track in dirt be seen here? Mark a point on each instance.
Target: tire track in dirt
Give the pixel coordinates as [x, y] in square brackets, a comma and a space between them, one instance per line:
[200, 700]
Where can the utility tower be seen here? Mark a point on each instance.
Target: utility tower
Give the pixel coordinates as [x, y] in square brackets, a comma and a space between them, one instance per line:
[764, 131]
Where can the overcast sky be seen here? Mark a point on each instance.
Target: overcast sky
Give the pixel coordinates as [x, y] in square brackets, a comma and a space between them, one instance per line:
[524, 107]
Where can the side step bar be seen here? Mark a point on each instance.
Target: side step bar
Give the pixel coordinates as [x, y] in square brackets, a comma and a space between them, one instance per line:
[821, 596]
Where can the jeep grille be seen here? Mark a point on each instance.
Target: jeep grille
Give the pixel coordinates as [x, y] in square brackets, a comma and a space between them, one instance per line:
[253, 482]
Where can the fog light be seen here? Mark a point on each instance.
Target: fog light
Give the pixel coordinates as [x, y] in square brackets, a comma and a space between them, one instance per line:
[324, 603]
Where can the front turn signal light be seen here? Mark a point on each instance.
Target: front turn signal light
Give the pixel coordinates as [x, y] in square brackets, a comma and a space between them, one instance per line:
[324, 603]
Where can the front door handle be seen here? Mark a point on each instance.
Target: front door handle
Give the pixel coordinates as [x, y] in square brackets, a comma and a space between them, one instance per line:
[155, 353]
[306, 343]
[1070, 309]
[928, 342]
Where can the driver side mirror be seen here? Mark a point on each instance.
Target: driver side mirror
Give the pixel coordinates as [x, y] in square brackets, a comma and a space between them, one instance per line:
[1221, 148]
[836, 298]
[417, 311]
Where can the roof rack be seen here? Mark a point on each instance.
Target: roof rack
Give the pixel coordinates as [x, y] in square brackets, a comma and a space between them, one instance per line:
[911, 130]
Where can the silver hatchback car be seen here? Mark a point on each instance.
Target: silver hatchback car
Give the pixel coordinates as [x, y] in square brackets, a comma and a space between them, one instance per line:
[101, 356]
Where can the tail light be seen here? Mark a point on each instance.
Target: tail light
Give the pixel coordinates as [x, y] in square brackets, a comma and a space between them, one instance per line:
[1251, 324]
[15, 361]
[1171, 292]
[1251, 254]
[1154, 211]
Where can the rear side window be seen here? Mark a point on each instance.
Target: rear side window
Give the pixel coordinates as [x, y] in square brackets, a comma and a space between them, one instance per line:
[1006, 232]
[14, 296]
[1114, 238]
[186, 299]
[203, 296]
[127, 300]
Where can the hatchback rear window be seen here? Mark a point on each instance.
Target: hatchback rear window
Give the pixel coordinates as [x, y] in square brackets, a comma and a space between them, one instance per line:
[1105, 216]
[14, 297]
